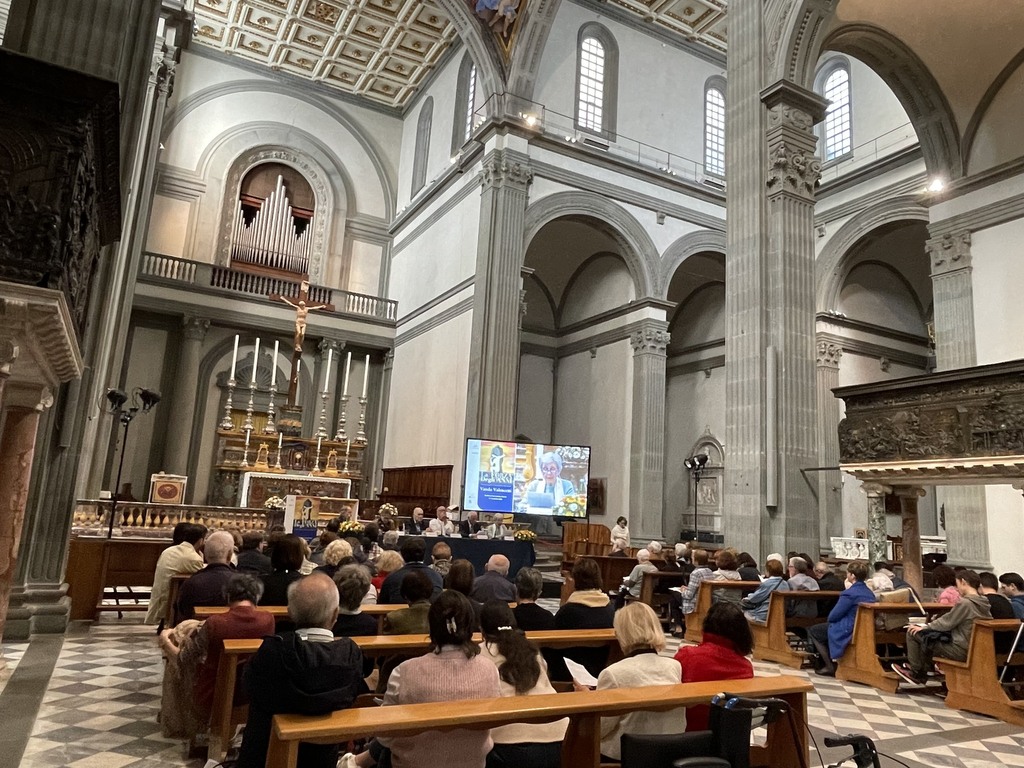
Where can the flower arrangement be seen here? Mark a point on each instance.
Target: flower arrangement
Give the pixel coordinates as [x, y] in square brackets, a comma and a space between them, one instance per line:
[388, 510]
[524, 534]
[572, 505]
[350, 528]
[275, 503]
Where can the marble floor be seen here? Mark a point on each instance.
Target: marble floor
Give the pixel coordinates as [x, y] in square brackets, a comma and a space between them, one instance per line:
[90, 700]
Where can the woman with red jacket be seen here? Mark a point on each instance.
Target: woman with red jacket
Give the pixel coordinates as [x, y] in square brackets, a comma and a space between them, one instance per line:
[721, 655]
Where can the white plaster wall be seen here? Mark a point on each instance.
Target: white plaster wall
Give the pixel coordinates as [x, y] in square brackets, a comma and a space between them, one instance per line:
[603, 284]
[1005, 507]
[147, 368]
[593, 404]
[364, 267]
[997, 258]
[536, 397]
[874, 294]
[998, 138]
[168, 226]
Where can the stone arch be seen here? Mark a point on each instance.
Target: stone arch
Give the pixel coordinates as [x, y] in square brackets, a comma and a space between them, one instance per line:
[971, 131]
[386, 175]
[490, 70]
[914, 86]
[685, 247]
[795, 31]
[638, 250]
[833, 265]
[529, 49]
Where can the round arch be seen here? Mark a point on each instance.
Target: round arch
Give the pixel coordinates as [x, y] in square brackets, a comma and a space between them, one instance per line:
[686, 246]
[529, 49]
[833, 265]
[490, 72]
[638, 250]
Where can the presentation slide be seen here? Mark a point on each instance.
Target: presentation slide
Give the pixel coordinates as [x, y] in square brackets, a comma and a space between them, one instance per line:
[526, 478]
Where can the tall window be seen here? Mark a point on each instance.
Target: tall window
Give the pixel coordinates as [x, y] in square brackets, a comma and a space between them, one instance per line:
[714, 127]
[838, 134]
[596, 80]
[465, 104]
[419, 163]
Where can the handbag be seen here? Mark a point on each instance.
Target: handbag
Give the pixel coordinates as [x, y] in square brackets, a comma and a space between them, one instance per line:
[929, 638]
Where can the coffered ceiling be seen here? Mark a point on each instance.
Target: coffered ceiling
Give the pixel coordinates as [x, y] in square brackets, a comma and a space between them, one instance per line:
[702, 21]
[382, 50]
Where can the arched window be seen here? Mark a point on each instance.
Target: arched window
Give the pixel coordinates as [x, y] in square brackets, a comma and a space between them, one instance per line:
[714, 126]
[597, 64]
[837, 131]
[465, 104]
[419, 163]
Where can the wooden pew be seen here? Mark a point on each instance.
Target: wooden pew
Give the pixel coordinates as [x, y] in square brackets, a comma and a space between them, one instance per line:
[695, 620]
[582, 745]
[974, 684]
[653, 580]
[770, 640]
[860, 662]
[224, 716]
[280, 612]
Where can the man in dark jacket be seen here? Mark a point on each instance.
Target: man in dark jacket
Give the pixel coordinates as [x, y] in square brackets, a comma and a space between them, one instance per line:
[206, 587]
[494, 583]
[413, 550]
[251, 557]
[305, 672]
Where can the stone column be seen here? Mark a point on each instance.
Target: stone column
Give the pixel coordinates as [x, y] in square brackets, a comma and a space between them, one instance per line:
[647, 446]
[183, 401]
[494, 350]
[956, 347]
[830, 482]
[908, 497]
[17, 447]
[877, 533]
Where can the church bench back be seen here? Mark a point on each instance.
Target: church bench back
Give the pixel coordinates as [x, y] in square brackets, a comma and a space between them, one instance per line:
[770, 641]
[695, 620]
[973, 684]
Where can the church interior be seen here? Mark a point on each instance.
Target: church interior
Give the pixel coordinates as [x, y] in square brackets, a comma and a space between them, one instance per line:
[258, 247]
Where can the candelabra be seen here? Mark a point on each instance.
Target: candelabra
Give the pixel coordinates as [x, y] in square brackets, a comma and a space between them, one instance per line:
[247, 425]
[271, 426]
[321, 431]
[361, 434]
[339, 433]
[226, 423]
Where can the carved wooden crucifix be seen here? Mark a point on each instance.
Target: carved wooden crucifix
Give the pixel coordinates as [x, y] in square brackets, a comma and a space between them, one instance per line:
[302, 310]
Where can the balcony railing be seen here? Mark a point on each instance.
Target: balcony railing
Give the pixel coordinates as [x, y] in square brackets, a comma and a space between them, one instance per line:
[158, 268]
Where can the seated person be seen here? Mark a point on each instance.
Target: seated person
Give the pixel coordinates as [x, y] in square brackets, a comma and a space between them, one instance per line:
[530, 616]
[250, 554]
[287, 557]
[588, 607]
[418, 525]
[550, 483]
[441, 558]
[206, 587]
[184, 556]
[353, 582]
[335, 551]
[633, 583]
[388, 562]
[413, 550]
[747, 567]
[416, 590]
[471, 526]
[688, 597]
[721, 655]
[620, 534]
[523, 672]
[1000, 607]
[830, 640]
[827, 582]
[945, 581]
[308, 671]
[958, 622]
[755, 606]
[461, 578]
[496, 528]
[727, 562]
[493, 584]
[441, 525]
[1012, 586]
[639, 634]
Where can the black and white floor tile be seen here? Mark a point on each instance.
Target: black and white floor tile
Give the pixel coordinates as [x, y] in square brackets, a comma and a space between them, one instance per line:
[10, 655]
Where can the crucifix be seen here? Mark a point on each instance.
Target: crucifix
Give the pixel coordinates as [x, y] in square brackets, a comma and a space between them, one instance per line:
[302, 310]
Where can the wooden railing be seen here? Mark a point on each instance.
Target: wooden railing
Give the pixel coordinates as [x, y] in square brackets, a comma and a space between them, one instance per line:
[169, 268]
[146, 520]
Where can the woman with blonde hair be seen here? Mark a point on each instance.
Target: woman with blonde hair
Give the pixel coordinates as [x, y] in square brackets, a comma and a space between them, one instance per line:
[388, 562]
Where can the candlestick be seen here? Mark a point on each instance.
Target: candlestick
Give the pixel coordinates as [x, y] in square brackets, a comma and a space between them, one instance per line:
[227, 423]
[255, 360]
[270, 427]
[366, 374]
[348, 446]
[316, 464]
[298, 370]
[234, 358]
[247, 424]
[339, 433]
[277, 466]
[321, 431]
[273, 367]
[361, 434]
[327, 371]
[245, 454]
[348, 367]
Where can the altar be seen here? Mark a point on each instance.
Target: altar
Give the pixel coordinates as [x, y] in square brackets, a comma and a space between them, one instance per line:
[257, 487]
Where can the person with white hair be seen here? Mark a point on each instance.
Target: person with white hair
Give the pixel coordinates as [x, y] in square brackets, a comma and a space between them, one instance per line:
[206, 587]
[550, 482]
[494, 583]
[632, 584]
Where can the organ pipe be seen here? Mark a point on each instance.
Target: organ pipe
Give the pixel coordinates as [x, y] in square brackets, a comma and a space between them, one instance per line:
[270, 239]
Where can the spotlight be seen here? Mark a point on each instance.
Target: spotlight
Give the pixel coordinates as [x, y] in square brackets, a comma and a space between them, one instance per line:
[149, 398]
[937, 185]
[116, 398]
[696, 462]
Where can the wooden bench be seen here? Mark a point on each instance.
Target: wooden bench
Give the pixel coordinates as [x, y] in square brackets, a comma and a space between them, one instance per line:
[860, 662]
[582, 745]
[770, 640]
[654, 579]
[224, 716]
[973, 684]
[280, 612]
[695, 620]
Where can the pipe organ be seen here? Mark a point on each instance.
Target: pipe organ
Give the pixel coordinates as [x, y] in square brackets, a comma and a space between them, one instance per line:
[270, 239]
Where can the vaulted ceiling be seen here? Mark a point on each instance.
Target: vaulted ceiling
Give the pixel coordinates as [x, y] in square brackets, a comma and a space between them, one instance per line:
[703, 21]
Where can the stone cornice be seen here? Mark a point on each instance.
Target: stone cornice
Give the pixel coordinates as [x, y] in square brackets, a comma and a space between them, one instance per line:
[37, 321]
[984, 217]
[881, 352]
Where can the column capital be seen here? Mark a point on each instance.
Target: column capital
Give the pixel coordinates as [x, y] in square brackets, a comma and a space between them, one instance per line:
[502, 169]
[9, 352]
[36, 397]
[828, 354]
[909, 491]
[792, 171]
[325, 344]
[791, 105]
[650, 340]
[876, 489]
[950, 252]
[194, 328]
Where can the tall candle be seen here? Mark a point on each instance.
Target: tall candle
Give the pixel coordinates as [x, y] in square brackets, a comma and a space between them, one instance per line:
[318, 446]
[273, 367]
[348, 367]
[327, 371]
[280, 437]
[255, 359]
[234, 358]
[247, 432]
[298, 370]
[348, 446]
[366, 374]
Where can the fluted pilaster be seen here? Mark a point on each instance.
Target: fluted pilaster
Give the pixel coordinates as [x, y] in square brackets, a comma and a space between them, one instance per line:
[647, 447]
[830, 482]
[494, 355]
[183, 401]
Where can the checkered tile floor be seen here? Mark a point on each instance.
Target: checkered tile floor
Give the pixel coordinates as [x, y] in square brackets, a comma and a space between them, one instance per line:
[10, 655]
[101, 704]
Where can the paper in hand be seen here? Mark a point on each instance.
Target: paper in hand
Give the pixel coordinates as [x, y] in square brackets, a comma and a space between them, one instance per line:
[580, 674]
